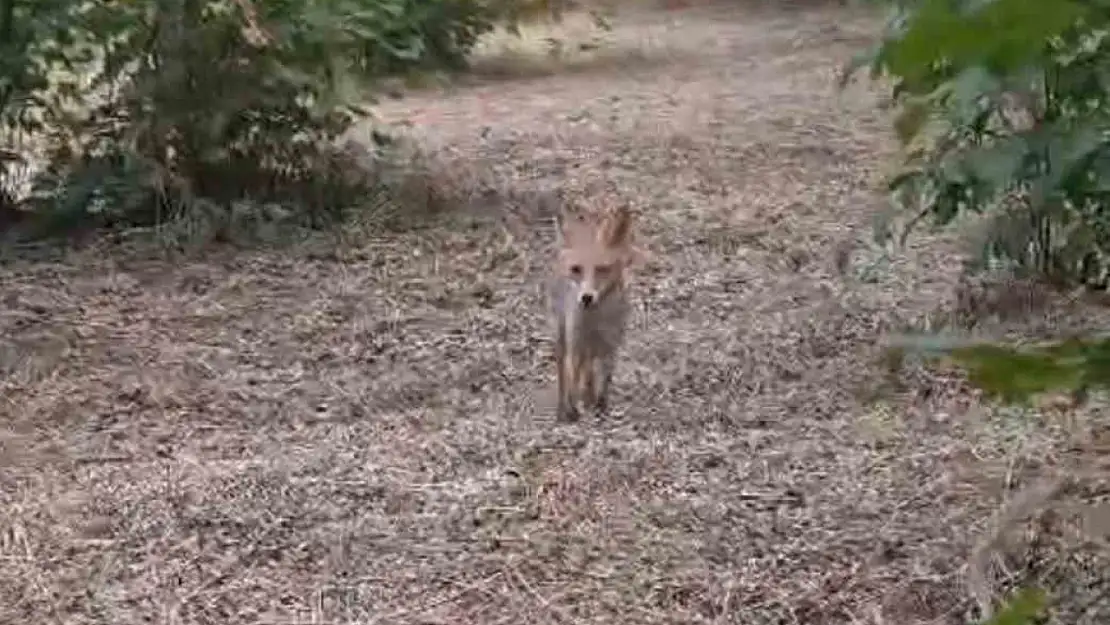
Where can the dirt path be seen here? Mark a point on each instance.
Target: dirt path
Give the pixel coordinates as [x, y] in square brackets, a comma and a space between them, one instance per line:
[284, 438]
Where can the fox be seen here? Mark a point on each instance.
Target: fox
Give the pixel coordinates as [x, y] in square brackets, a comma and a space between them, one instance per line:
[590, 302]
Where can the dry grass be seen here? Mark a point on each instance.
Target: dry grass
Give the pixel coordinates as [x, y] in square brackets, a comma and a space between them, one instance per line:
[576, 45]
[306, 437]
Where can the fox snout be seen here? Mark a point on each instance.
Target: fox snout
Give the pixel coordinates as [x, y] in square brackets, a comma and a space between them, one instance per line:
[592, 284]
[594, 271]
[589, 292]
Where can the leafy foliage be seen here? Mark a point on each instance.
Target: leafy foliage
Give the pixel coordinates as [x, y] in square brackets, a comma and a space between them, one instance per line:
[1024, 608]
[1018, 373]
[1002, 108]
[142, 109]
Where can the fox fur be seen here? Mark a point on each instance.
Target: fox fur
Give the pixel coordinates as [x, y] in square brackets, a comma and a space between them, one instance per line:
[590, 303]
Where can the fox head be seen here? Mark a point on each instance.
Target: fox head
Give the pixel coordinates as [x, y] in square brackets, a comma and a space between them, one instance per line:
[595, 253]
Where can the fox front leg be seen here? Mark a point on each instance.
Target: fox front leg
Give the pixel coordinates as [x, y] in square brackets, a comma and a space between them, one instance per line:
[588, 382]
[565, 409]
[603, 378]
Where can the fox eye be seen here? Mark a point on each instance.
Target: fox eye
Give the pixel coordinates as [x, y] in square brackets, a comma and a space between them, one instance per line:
[576, 270]
[603, 269]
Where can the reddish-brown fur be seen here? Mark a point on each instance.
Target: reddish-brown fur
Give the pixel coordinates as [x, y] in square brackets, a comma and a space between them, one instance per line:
[590, 303]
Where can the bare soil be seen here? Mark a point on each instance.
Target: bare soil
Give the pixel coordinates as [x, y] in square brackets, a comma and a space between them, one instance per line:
[365, 434]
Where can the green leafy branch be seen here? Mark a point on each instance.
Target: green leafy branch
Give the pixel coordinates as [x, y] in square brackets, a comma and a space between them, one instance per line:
[1002, 109]
[1016, 373]
[1023, 608]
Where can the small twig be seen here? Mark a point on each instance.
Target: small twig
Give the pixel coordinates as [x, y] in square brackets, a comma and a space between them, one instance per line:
[722, 615]
[225, 572]
[463, 589]
[1097, 601]
[778, 498]
[107, 459]
[1021, 506]
[254, 34]
[556, 611]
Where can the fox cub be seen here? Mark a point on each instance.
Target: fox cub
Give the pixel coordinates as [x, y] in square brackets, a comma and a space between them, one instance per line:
[590, 302]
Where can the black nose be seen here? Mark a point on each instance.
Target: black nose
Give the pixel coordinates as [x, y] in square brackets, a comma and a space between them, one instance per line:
[587, 299]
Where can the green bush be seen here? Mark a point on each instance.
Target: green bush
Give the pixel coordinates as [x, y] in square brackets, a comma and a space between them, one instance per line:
[143, 109]
[1002, 109]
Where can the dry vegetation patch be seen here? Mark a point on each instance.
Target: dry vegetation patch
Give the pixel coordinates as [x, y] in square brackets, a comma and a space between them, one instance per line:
[306, 435]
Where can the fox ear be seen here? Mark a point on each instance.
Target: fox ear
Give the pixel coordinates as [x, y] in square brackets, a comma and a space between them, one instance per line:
[638, 256]
[565, 221]
[570, 221]
[617, 227]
